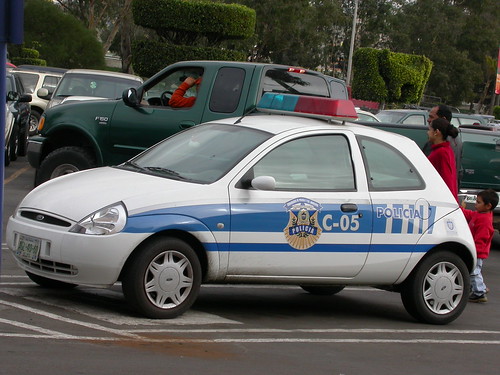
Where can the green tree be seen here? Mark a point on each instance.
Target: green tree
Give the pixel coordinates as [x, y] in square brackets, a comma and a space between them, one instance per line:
[302, 32]
[62, 40]
[455, 37]
[110, 21]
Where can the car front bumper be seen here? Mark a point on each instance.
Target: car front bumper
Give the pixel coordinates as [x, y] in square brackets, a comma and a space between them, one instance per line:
[71, 257]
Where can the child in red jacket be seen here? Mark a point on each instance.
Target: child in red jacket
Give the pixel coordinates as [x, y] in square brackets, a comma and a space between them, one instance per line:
[481, 226]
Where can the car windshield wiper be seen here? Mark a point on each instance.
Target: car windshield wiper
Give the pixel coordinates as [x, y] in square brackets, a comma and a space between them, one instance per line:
[133, 165]
[165, 171]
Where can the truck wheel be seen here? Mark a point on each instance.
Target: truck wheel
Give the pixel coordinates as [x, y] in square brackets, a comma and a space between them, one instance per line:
[34, 120]
[163, 280]
[437, 291]
[63, 161]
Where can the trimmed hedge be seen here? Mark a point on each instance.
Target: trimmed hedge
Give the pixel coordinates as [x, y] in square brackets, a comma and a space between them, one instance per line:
[150, 57]
[368, 84]
[385, 76]
[222, 21]
[496, 112]
[27, 56]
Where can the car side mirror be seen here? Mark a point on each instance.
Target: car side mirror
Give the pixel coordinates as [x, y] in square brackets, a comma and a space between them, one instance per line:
[44, 93]
[131, 98]
[264, 183]
[12, 96]
[25, 98]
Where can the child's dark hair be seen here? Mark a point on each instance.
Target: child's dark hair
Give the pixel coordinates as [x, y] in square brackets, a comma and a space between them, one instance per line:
[444, 126]
[489, 196]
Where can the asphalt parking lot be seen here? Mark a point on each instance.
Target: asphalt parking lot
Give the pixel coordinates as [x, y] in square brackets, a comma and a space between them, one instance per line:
[248, 329]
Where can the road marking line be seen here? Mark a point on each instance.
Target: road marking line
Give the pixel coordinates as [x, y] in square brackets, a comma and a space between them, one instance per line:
[264, 340]
[16, 175]
[30, 327]
[68, 320]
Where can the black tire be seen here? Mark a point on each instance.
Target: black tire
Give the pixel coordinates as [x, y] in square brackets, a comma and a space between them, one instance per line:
[63, 161]
[49, 283]
[6, 158]
[163, 279]
[14, 143]
[23, 139]
[33, 122]
[437, 291]
[323, 290]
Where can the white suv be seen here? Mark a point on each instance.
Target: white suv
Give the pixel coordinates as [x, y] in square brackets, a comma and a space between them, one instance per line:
[35, 78]
[87, 84]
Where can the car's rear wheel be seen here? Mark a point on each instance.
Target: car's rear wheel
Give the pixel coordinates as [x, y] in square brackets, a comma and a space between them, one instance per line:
[323, 290]
[437, 290]
[63, 161]
[163, 279]
[49, 283]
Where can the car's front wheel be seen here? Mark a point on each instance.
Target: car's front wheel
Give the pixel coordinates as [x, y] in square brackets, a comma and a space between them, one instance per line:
[163, 279]
[437, 290]
[63, 161]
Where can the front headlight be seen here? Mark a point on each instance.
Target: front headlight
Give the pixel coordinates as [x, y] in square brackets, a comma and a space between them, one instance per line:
[108, 220]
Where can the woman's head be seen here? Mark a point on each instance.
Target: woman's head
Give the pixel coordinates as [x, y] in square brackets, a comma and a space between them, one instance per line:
[440, 129]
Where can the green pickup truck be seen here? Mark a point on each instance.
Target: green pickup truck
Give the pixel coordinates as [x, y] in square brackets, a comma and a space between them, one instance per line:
[106, 132]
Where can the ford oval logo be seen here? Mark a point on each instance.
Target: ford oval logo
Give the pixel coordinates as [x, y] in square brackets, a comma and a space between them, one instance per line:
[39, 217]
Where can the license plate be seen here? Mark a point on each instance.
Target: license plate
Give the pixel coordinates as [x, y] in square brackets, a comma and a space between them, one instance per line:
[28, 247]
[470, 198]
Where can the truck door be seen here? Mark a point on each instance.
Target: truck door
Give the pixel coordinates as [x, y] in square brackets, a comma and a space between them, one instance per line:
[132, 130]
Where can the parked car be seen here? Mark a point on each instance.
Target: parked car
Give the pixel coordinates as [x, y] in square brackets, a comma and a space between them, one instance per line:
[18, 102]
[87, 84]
[9, 125]
[366, 116]
[300, 198]
[419, 117]
[35, 78]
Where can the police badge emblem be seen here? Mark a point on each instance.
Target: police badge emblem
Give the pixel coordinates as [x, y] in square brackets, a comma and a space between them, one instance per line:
[302, 230]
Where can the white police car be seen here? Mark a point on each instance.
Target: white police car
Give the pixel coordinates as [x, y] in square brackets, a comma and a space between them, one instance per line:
[260, 199]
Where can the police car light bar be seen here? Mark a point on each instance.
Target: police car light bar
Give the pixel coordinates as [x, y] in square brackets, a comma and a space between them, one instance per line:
[309, 106]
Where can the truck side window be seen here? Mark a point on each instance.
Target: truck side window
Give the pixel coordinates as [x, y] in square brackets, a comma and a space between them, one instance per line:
[387, 168]
[227, 88]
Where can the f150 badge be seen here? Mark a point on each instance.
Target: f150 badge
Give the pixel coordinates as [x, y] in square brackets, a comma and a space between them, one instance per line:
[303, 230]
[102, 120]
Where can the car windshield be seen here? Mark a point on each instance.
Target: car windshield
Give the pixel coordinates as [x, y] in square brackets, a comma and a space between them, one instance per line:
[202, 154]
[389, 116]
[95, 85]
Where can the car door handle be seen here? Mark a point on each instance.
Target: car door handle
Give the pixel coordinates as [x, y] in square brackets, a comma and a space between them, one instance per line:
[186, 124]
[349, 207]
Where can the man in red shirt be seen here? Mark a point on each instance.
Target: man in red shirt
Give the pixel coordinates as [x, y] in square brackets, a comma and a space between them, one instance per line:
[178, 100]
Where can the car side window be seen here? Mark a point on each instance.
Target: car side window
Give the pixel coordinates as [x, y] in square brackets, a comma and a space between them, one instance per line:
[316, 163]
[159, 93]
[50, 83]
[387, 168]
[415, 120]
[227, 89]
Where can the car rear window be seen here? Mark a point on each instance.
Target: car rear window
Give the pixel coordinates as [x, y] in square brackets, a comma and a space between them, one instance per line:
[281, 80]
